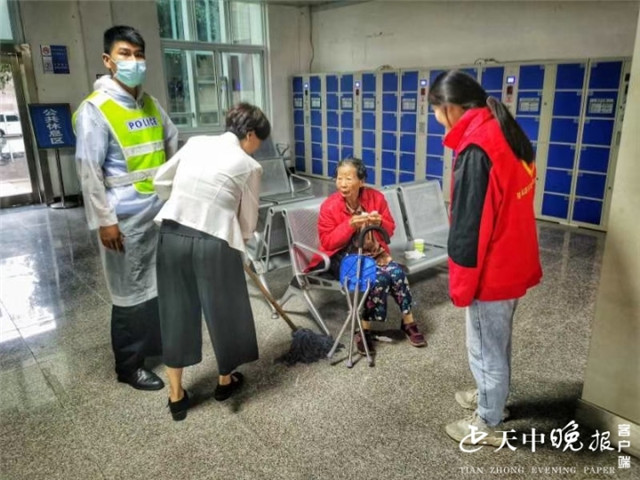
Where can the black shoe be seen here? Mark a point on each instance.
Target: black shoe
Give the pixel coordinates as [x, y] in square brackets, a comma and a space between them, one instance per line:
[179, 409]
[225, 391]
[142, 379]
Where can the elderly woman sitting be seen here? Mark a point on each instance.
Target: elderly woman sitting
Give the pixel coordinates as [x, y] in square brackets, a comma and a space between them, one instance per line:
[342, 216]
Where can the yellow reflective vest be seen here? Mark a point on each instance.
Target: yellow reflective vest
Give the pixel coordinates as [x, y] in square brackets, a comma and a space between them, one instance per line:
[140, 135]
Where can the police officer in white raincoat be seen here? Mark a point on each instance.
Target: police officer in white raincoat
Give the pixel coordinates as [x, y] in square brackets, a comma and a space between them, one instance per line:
[123, 136]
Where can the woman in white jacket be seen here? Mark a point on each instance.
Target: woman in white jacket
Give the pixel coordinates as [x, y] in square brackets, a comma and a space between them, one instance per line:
[212, 185]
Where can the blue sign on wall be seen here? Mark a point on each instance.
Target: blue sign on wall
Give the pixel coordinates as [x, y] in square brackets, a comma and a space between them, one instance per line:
[52, 125]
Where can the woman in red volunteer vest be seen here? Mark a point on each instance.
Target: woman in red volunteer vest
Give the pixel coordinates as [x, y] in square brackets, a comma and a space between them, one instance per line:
[493, 244]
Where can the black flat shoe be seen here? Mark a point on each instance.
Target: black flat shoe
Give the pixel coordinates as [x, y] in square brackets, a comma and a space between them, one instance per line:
[225, 391]
[179, 409]
[142, 379]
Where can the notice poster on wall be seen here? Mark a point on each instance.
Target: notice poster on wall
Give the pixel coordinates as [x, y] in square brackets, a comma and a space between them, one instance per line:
[54, 59]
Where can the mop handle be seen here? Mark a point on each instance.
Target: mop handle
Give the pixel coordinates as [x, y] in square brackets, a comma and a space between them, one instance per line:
[269, 298]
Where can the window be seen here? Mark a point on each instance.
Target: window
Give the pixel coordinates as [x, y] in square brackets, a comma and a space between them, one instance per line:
[213, 56]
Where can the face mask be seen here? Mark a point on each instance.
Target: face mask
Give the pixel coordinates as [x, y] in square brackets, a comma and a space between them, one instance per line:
[131, 72]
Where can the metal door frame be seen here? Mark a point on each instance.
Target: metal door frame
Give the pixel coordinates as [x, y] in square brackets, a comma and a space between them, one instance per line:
[24, 84]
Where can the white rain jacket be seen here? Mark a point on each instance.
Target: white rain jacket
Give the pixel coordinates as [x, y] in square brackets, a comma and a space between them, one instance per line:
[131, 276]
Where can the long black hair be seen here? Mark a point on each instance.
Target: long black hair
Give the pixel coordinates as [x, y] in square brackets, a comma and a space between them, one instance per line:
[458, 88]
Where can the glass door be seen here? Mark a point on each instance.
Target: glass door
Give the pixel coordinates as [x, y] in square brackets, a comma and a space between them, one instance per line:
[18, 174]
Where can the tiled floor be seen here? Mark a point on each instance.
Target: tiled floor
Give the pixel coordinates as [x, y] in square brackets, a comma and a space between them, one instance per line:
[63, 415]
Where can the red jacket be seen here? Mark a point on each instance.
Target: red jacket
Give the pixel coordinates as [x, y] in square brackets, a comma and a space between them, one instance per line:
[334, 230]
[493, 243]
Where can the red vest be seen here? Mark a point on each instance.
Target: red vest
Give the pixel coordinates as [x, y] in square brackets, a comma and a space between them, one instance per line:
[508, 261]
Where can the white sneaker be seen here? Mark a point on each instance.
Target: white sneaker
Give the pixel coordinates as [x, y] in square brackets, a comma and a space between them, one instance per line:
[480, 435]
[469, 399]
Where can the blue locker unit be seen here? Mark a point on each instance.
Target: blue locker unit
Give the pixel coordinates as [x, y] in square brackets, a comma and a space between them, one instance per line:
[564, 130]
[492, 78]
[531, 77]
[333, 136]
[389, 177]
[594, 159]
[332, 101]
[408, 122]
[587, 211]
[333, 154]
[408, 125]
[555, 205]
[389, 122]
[597, 140]
[333, 119]
[389, 137]
[316, 137]
[368, 121]
[530, 81]
[605, 75]
[346, 121]
[435, 146]
[435, 134]
[389, 141]
[435, 167]
[369, 139]
[346, 118]
[332, 83]
[597, 132]
[368, 99]
[298, 123]
[531, 126]
[389, 160]
[407, 143]
[567, 104]
[346, 138]
[591, 185]
[369, 83]
[408, 162]
[558, 181]
[570, 76]
[561, 156]
[409, 81]
[317, 133]
[405, 177]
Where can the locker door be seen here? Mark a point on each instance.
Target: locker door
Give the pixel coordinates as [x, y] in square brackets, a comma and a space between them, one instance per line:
[346, 117]
[369, 86]
[435, 133]
[389, 153]
[318, 124]
[408, 124]
[530, 83]
[333, 123]
[298, 123]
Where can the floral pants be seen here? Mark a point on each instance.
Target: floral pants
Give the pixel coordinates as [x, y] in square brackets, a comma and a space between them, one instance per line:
[390, 279]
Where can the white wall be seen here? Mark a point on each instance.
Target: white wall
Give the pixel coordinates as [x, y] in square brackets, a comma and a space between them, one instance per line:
[80, 25]
[613, 367]
[415, 34]
[289, 54]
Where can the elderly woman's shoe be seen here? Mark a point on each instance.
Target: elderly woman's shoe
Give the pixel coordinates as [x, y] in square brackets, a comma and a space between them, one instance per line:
[179, 409]
[223, 392]
[413, 334]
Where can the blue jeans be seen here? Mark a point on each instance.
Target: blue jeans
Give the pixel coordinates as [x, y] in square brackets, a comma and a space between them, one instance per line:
[489, 326]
